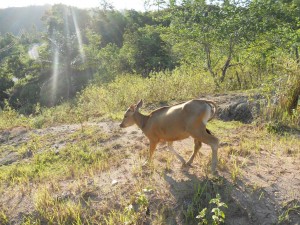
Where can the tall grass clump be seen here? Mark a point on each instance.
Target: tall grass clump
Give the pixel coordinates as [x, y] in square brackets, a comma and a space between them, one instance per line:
[11, 118]
[283, 94]
[180, 84]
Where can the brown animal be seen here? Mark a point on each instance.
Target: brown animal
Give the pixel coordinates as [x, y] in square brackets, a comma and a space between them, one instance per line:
[172, 123]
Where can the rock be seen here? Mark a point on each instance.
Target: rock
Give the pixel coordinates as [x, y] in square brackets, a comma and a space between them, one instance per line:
[114, 182]
[28, 153]
[238, 108]
[9, 159]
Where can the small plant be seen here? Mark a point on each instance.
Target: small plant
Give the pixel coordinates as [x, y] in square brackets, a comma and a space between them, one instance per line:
[235, 172]
[142, 200]
[133, 213]
[217, 213]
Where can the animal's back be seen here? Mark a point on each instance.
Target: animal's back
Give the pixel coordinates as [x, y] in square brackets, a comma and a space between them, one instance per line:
[179, 113]
[172, 122]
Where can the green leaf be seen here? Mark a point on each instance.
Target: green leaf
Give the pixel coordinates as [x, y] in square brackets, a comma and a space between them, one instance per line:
[202, 214]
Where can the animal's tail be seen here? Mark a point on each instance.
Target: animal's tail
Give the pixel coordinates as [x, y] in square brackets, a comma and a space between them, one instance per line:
[208, 131]
[214, 107]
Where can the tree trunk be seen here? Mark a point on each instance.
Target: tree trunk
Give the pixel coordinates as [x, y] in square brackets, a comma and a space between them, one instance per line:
[297, 55]
[294, 99]
[209, 66]
[238, 79]
[227, 63]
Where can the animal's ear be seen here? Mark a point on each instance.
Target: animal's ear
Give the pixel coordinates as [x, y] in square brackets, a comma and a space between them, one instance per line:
[139, 105]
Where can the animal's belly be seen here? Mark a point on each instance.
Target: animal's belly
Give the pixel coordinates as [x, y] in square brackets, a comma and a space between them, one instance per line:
[174, 136]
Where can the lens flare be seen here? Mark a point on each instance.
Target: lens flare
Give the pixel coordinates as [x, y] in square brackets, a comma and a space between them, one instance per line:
[33, 52]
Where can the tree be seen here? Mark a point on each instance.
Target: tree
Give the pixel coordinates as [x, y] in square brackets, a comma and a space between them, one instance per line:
[146, 51]
[64, 54]
[216, 30]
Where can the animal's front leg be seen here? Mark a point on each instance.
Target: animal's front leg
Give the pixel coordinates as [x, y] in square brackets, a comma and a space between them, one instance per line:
[171, 148]
[153, 145]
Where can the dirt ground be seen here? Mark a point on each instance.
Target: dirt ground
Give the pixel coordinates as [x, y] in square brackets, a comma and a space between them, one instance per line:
[267, 187]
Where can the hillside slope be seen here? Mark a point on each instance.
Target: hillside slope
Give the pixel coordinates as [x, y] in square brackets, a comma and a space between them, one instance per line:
[15, 19]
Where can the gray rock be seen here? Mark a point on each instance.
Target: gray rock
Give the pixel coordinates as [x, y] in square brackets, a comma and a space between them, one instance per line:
[9, 158]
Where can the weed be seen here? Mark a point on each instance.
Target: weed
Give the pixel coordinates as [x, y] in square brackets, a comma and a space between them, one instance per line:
[217, 214]
[276, 127]
[204, 193]
[133, 213]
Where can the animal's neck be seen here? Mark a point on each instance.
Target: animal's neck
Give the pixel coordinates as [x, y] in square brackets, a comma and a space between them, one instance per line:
[140, 120]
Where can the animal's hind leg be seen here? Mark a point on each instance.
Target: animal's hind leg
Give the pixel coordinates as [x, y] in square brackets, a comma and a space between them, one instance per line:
[197, 146]
[211, 140]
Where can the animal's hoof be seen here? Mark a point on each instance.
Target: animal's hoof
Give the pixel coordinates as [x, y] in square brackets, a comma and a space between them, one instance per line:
[146, 163]
[215, 173]
[186, 165]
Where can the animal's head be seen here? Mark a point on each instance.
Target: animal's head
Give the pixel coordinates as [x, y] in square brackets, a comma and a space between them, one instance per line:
[128, 119]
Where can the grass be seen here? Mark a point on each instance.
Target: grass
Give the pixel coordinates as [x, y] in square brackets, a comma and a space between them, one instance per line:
[242, 141]
[71, 161]
[51, 210]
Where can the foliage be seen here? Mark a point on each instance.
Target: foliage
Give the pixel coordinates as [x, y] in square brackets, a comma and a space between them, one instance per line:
[110, 100]
[146, 51]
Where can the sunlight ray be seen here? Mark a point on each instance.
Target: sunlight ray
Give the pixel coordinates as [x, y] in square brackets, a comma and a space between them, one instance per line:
[55, 76]
[66, 15]
[78, 34]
